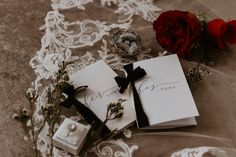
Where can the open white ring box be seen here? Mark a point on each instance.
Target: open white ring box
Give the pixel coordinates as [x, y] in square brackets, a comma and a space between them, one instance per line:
[71, 136]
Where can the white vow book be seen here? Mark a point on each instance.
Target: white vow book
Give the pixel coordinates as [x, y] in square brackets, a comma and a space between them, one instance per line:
[165, 94]
[102, 90]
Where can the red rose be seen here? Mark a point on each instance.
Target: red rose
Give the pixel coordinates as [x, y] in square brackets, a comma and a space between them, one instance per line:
[221, 33]
[230, 32]
[177, 31]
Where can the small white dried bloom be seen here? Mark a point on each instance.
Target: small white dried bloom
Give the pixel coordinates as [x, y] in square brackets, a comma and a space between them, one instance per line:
[28, 123]
[31, 93]
[127, 133]
[162, 53]
[15, 116]
[26, 138]
[25, 111]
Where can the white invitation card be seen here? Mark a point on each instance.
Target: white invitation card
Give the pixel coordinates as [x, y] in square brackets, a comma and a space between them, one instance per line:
[165, 94]
[102, 90]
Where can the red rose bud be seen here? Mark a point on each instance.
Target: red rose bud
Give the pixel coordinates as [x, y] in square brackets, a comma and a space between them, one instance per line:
[230, 32]
[177, 31]
[215, 33]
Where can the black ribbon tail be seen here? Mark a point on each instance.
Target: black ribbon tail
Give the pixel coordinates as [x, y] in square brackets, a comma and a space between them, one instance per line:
[141, 116]
[122, 83]
[66, 103]
[90, 117]
[134, 74]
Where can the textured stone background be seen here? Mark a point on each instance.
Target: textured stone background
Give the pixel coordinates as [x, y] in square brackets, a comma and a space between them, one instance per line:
[19, 40]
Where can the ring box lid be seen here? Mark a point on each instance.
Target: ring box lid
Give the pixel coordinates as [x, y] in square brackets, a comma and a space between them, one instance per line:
[71, 140]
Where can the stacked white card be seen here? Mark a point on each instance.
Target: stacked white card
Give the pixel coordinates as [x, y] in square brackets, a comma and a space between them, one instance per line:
[164, 93]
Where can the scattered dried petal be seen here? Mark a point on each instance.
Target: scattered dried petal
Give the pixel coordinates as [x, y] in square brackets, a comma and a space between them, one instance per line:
[26, 138]
[127, 133]
[15, 116]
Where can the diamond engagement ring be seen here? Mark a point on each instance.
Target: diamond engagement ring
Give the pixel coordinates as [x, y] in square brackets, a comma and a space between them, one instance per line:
[71, 128]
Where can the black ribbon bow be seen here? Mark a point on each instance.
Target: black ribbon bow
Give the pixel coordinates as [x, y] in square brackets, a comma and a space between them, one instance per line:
[88, 115]
[132, 75]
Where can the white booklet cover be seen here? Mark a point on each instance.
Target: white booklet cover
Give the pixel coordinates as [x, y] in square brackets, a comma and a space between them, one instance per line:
[165, 94]
[102, 90]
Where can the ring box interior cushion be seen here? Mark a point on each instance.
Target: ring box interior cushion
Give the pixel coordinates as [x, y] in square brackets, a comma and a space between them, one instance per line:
[71, 140]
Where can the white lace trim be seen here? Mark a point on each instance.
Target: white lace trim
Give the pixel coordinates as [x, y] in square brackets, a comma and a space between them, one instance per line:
[126, 8]
[84, 33]
[143, 8]
[121, 149]
[59, 37]
[67, 4]
[58, 40]
[199, 152]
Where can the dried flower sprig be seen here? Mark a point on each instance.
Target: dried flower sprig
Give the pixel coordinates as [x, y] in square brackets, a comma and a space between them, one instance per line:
[197, 73]
[54, 94]
[50, 110]
[114, 110]
[25, 115]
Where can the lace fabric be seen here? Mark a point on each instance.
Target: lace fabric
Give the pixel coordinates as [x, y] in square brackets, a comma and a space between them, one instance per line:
[181, 144]
[200, 151]
[59, 38]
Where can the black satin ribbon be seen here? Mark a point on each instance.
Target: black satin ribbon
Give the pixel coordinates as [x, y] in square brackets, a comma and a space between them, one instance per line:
[88, 115]
[132, 75]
